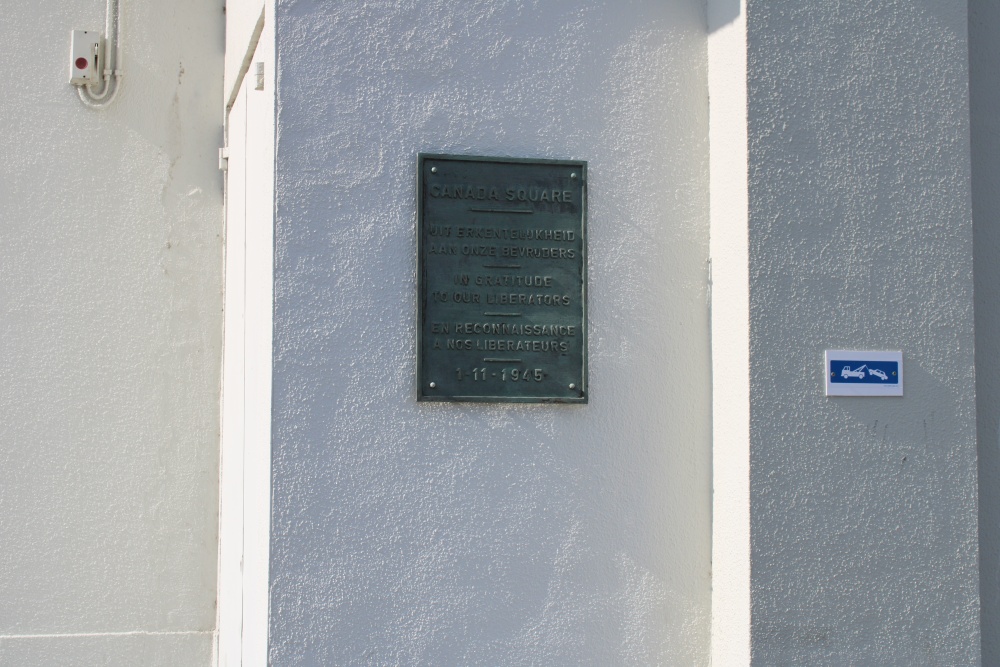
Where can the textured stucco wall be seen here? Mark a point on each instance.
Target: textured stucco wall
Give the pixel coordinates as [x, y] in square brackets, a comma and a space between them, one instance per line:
[984, 100]
[110, 298]
[489, 534]
[863, 511]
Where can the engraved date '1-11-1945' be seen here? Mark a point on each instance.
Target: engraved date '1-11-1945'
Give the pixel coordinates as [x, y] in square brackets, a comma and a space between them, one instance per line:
[503, 374]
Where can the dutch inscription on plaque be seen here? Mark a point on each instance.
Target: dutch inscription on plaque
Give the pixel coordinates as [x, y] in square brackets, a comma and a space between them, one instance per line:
[502, 283]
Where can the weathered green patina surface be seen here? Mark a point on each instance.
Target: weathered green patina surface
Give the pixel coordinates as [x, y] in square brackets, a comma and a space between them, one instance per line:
[502, 279]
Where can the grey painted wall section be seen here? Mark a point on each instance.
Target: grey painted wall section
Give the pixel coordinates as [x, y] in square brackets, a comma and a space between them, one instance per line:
[984, 98]
[111, 329]
[489, 534]
[863, 511]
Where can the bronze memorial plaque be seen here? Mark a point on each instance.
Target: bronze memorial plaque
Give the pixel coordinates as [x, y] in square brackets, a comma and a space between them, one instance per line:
[502, 279]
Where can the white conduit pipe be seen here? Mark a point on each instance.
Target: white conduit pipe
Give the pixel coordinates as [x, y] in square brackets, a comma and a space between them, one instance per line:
[106, 95]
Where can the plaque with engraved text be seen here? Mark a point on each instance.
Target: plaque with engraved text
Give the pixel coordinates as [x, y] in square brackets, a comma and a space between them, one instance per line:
[502, 279]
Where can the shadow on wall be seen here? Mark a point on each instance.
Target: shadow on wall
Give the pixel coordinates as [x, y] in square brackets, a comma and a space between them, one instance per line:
[984, 103]
[722, 13]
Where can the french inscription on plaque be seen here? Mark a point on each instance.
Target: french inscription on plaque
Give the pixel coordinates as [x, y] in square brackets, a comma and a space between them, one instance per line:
[502, 281]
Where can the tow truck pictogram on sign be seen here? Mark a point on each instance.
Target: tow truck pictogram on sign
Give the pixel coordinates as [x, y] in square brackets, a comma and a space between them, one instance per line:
[859, 373]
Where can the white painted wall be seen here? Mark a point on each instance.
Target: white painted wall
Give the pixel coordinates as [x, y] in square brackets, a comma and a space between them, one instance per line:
[489, 534]
[243, 26]
[863, 511]
[244, 538]
[730, 282]
[110, 299]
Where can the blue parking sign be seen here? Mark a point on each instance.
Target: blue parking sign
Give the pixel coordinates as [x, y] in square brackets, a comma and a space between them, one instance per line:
[859, 373]
[855, 371]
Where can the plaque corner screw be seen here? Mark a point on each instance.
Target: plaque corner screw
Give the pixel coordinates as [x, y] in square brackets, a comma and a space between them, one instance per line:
[434, 170]
[572, 385]
[573, 175]
[432, 385]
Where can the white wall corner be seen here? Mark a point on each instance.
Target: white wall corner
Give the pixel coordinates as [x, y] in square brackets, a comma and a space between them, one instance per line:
[727, 62]
[245, 498]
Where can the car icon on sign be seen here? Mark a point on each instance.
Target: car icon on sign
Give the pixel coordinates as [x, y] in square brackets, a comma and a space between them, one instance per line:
[877, 373]
[848, 373]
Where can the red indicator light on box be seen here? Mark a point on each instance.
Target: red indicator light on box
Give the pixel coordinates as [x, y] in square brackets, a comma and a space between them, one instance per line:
[82, 63]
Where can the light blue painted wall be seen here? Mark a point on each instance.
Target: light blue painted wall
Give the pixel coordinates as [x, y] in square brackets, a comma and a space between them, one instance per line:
[489, 534]
[863, 511]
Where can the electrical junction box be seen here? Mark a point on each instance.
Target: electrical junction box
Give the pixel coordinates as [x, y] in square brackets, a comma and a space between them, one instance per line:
[86, 57]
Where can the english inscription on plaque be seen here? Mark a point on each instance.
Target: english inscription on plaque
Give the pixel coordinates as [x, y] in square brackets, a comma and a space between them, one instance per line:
[502, 257]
